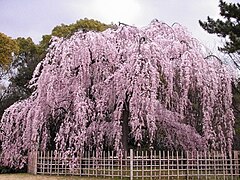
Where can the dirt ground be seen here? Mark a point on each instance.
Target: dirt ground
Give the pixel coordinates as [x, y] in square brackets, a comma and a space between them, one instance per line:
[25, 176]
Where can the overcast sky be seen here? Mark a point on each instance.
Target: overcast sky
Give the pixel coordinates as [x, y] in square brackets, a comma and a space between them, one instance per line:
[34, 18]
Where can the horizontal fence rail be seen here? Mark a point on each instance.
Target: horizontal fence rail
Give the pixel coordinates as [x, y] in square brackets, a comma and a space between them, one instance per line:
[139, 164]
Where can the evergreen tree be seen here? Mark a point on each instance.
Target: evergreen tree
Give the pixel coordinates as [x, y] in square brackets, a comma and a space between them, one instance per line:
[228, 28]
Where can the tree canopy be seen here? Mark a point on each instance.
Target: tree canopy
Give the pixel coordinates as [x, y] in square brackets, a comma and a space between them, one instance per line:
[31, 54]
[7, 47]
[228, 27]
[66, 31]
[96, 90]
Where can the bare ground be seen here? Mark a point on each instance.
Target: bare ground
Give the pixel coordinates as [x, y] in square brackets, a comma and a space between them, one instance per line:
[25, 176]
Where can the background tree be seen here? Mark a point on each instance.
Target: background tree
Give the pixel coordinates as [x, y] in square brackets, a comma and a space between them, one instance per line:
[8, 46]
[20, 72]
[96, 90]
[229, 28]
[66, 31]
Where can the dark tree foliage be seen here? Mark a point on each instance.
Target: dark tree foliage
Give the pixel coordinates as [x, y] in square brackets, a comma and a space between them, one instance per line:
[228, 27]
[25, 63]
[236, 111]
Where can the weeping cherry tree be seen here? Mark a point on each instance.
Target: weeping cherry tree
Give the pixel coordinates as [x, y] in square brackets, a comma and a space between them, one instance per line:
[153, 85]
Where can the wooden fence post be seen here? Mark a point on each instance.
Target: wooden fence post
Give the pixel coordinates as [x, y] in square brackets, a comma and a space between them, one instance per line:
[231, 164]
[187, 165]
[32, 162]
[236, 162]
[131, 164]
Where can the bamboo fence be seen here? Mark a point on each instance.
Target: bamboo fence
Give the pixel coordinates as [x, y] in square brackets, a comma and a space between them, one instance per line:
[139, 164]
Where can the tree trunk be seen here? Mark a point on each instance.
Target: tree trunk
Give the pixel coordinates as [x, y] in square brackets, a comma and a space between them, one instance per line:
[125, 127]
